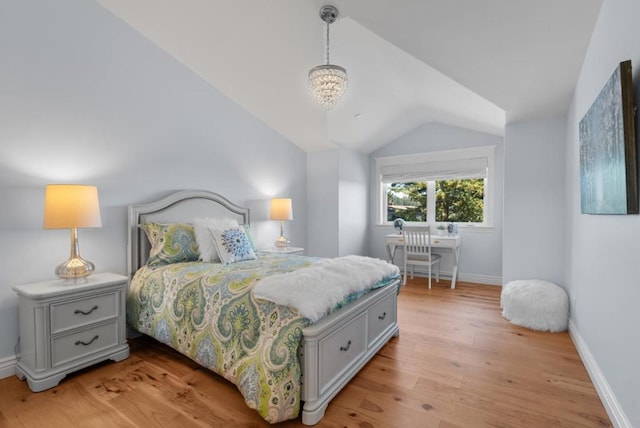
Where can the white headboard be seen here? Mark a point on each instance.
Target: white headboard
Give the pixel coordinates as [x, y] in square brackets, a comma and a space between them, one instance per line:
[182, 206]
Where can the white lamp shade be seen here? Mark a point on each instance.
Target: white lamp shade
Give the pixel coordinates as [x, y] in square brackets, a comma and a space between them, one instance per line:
[281, 209]
[68, 206]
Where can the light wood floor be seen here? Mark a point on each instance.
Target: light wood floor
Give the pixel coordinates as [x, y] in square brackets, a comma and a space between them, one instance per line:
[457, 363]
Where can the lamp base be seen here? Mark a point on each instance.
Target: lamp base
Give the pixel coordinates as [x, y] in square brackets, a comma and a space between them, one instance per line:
[75, 268]
[281, 242]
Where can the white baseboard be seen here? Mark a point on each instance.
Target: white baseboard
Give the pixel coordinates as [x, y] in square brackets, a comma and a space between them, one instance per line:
[8, 367]
[466, 277]
[480, 279]
[611, 405]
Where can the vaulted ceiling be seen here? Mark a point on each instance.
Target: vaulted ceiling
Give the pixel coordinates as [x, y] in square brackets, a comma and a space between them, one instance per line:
[476, 64]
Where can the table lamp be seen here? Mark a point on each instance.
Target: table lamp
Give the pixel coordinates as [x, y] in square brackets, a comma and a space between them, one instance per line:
[281, 210]
[71, 206]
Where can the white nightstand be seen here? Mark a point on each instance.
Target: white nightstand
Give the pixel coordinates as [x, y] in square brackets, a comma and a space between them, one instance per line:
[285, 250]
[66, 325]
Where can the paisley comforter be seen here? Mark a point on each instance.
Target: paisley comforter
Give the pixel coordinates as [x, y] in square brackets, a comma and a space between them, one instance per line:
[207, 312]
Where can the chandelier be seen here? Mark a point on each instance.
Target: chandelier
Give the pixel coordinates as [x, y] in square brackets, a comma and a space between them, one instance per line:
[328, 82]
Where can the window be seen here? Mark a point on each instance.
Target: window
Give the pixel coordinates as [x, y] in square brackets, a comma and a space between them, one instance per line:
[438, 187]
[407, 201]
[460, 201]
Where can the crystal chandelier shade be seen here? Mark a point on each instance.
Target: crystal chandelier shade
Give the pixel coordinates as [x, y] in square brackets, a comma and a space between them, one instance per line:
[328, 82]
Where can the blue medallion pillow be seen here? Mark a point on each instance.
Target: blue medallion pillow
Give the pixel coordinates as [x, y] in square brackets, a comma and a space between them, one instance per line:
[206, 246]
[233, 245]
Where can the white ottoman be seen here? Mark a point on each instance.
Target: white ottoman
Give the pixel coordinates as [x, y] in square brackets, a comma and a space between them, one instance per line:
[535, 304]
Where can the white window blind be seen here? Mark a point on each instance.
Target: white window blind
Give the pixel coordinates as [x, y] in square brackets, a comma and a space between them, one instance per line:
[431, 171]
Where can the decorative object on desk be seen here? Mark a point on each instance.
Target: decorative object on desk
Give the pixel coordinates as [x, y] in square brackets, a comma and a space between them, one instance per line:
[441, 229]
[72, 206]
[328, 82]
[281, 209]
[608, 159]
[398, 224]
[452, 229]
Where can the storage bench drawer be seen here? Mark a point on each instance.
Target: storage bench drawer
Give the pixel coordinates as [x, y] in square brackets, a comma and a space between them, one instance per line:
[380, 317]
[339, 349]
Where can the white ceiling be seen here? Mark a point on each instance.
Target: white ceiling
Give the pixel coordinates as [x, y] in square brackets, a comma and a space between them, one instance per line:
[475, 64]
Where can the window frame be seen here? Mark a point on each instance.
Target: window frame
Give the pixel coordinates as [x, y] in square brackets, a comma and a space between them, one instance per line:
[487, 152]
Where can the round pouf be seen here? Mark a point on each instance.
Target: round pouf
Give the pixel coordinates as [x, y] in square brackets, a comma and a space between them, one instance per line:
[535, 304]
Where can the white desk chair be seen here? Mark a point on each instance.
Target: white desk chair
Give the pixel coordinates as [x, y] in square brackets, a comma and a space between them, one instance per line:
[417, 251]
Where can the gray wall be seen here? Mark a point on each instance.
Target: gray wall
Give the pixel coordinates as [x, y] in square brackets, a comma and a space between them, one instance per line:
[322, 203]
[481, 250]
[603, 252]
[354, 191]
[86, 99]
[337, 200]
[533, 245]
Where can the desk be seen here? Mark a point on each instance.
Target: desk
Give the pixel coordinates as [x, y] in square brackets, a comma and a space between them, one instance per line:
[453, 243]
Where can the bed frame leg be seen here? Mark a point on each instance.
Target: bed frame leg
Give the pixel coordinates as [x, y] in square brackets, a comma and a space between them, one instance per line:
[313, 417]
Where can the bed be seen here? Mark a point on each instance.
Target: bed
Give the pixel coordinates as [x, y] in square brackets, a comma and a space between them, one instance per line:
[281, 361]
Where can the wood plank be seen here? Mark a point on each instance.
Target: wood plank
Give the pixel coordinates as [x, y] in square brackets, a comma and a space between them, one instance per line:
[457, 363]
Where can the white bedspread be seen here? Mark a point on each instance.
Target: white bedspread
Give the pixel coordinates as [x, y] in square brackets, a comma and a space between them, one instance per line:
[315, 290]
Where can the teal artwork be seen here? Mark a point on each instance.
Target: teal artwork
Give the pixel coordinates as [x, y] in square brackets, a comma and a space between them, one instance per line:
[608, 175]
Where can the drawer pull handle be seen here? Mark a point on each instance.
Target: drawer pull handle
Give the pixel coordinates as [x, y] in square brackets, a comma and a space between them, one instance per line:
[78, 311]
[80, 342]
[383, 316]
[346, 348]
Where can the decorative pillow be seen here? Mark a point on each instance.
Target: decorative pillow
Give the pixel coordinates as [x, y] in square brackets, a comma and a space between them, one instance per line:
[206, 246]
[247, 230]
[233, 245]
[170, 243]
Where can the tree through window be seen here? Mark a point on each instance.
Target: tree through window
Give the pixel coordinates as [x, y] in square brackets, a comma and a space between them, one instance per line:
[407, 201]
[460, 201]
[456, 201]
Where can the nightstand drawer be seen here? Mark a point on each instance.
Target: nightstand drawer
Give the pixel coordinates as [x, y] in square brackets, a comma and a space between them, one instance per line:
[77, 313]
[73, 346]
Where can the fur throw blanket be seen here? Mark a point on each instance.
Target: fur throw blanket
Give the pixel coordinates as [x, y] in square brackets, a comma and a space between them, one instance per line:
[315, 290]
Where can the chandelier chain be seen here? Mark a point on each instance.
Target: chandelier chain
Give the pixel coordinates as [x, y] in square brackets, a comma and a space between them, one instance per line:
[328, 43]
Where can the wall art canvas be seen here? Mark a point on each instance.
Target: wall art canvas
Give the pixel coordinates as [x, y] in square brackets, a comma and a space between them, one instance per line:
[608, 159]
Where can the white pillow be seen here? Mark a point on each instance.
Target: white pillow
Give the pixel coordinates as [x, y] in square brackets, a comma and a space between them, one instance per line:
[206, 246]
